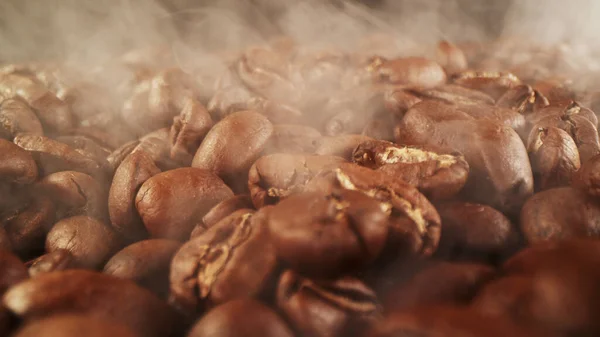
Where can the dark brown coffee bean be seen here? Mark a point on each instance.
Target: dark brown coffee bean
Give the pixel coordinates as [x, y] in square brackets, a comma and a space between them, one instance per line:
[441, 282]
[346, 306]
[72, 325]
[118, 155]
[233, 259]
[27, 229]
[587, 179]
[188, 131]
[90, 241]
[243, 317]
[554, 157]
[12, 270]
[328, 234]
[60, 259]
[75, 193]
[127, 180]
[53, 156]
[451, 57]
[558, 214]
[16, 164]
[410, 71]
[277, 176]
[494, 84]
[146, 263]
[95, 294]
[16, 117]
[290, 138]
[4, 240]
[438, 173]
[500, 174]
[506, 297]
[171, 203]
[233, 144]
[341, 146]
[226, 207]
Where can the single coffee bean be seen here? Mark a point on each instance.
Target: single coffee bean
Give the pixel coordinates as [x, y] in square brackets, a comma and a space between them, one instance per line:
[90, 241]
[27, 229]
[12, 270]
[16, 164]
[554, 157]
[559, 92]
[188, 131]
[146, 263]
[494, 84]
[451, 57]
[587, 179]
[563, 112]
[558, 214]
[397, 101]
[17, 117]
[226, 207]
[156, 144]
[115, 158]
[290, 138]
[133, 171]
[410, 71]
[170, 203]
[341, 146]
[522, 99]
[440, 282]
[233, 144]
[277, 176]
[57, 260]
[244, 317]
[73, 325]
[346, 306]
[233, 259]
[95, 294]
[328, 234]
[439, 174]
[75, 193]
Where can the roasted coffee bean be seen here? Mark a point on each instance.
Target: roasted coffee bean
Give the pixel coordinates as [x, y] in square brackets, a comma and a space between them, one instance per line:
[381, 126]
[522, 99]
[290, 138]
[233, 259]
[170, 203]
[475, 232]
[146, 263]
[451, 57]
[454, 94]
[156, 144]
[232, 145]
[438, 173]
[75, 193]
[16, 117]
[12, 270]
[86, 146]
[90, 241]
[73, 325]
[440, 282]
[346, 306]
[554, 157]
[201, 227]
[558, 214]
[135, 169]
[226, 207]
[277, 176]
[492, 83]
[16, 164]
[587, 179]
[27, 229]
[558, 92]
[242, 317]
[341, 146]
[503, 116]
[505, 297]
[95, 294]
[410, 71]
[106, 139]
[397, 101]
[188, 131]
[4, 240]
[499, 170]
[57, 260]
[229, 100]
[564, 113]
[115, 158]
[53, 156]
[328, 234]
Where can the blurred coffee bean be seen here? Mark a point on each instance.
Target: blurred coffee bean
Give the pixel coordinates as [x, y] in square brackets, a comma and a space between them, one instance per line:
[12, 271]
[397, 101]
[170, 203]
[451, 57]
[27, 229]
[232, 259]
[188, 131]
[341, 307]
[133, 171]
[341, 146]
[17, 117]
[290, 138]
[232, 145]
[494, 84]
[587, 179]
[157, 145]
[16, 164]
[410, 71]
[115, 158]
[90, 241]
[86, 146]
[73, 325]
[96, 294]
[200, 228]
[454, 94]
[226, 207]
[506, 297]
[243, 317]
[146, 263]
[57, 260]
[4, 240]
[229, 100]
[522, 99]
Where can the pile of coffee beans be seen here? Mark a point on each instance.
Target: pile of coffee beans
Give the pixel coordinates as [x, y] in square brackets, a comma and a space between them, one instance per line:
[302, 192]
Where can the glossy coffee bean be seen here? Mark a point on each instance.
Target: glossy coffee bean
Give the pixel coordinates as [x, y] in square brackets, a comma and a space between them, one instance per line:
[243, 317]
[17, 117]
[233, 259]
[91, 293]
[170, 203]
[146, 263]
[341, 307]
[57, 260]
[73, 325]
[16, 164]
[135, 169]
[328, 234]
[90, 241]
